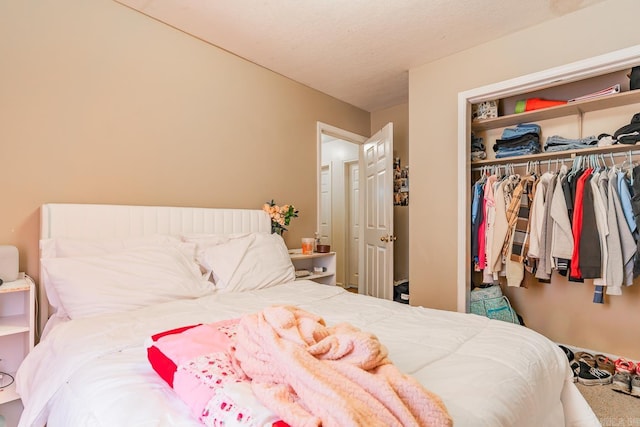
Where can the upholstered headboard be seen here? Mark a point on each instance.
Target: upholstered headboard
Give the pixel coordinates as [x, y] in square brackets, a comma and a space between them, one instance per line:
[91, 221]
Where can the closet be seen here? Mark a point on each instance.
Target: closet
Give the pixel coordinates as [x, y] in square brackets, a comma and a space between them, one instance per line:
[574, 120]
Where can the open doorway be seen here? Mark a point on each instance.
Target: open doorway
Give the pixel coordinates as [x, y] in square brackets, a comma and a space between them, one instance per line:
[355, 207]
[339, 199]
[339, 205]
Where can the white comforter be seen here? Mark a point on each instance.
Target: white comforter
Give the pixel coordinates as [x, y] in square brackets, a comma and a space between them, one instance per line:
[94, 371]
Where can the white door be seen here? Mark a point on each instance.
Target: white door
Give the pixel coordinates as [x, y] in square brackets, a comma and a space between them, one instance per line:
[377, 266]
[353, 223]
[325, 205]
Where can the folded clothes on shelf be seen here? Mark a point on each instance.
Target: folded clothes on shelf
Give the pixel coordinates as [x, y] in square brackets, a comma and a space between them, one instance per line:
[477, 148]
[559, 143]
[519, 130]
[524, 139]
[629, 134]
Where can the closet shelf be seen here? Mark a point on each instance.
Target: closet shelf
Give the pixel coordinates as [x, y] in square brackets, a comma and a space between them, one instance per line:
[574, 108]
[618, 148]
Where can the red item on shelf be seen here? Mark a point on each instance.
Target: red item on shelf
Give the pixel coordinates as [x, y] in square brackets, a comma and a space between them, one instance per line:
[531, 104]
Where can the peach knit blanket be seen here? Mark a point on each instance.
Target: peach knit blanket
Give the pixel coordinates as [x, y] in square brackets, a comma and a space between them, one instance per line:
[314, 375]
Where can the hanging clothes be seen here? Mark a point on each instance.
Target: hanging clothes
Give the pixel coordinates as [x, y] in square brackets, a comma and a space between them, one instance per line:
[577, 224]
[543, 272]
[625, 198]
[635, 204]
[500, 229]
[561, 237]
[537, 214]
[602, 229]
[512, 193]
[476, 219]
[490, 215]
[589, 242]
[599, 188]
[620, 269]
[572, 221]
[517, 246]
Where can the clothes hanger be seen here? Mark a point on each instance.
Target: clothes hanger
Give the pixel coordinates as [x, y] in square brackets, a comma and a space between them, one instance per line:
[627, 166]
[604, 162]
[577, 165]
[627, 163]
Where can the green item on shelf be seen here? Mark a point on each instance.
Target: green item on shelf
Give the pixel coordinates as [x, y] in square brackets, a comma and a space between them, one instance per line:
[521, 106]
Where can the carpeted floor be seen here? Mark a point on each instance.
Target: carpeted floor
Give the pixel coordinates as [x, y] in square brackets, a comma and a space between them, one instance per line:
[612, 408]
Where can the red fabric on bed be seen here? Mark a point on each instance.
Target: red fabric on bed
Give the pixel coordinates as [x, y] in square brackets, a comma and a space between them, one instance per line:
[156, 337]
[161, 363]
[197, 362]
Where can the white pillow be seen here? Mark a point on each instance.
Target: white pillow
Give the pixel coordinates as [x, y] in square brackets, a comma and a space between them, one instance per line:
[203, 241]
[73, 247]
[121, 281]
[254, 261]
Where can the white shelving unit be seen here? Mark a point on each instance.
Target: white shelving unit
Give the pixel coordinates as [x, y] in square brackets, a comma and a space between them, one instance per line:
[326, 261]
[17, 329]
[542, 116]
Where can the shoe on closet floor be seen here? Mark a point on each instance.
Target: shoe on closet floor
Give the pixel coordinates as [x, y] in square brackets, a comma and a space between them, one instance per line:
[568, 352]
[624, 365]
[587, 358]
[592, 376]
[573, 363]
[575, 368]
[621, 382]
[606, 364]
[635, 385]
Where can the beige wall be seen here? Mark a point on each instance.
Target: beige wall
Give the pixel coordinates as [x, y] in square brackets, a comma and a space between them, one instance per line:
[561, 311]
[101, 104]
[399, 115]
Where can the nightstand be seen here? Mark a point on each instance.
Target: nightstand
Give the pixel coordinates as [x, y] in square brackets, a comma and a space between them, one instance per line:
[315, 261]
[17, 333]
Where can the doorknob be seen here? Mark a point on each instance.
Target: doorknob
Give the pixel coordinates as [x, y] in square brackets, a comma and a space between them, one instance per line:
[388, 238]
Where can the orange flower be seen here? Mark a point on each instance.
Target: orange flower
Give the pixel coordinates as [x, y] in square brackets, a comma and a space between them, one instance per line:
[280, 215]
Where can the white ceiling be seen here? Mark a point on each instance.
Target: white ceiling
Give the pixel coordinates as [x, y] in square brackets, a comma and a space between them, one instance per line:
[358, 51]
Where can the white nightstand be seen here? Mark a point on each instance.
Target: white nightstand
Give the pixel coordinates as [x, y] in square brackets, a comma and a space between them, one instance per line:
[316, 260]
[17, 333]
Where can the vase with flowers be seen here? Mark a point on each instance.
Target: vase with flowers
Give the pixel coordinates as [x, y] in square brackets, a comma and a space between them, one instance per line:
[280, 216]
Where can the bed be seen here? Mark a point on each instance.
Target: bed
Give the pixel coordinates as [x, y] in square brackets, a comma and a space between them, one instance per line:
[92, 366]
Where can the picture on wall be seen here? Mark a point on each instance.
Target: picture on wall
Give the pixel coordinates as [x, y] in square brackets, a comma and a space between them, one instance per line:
[400, 183]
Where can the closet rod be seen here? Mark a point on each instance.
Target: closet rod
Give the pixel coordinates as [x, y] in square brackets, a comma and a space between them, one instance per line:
[569, 158]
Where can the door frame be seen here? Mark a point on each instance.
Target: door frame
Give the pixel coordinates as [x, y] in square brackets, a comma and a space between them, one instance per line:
[348, 191]
[329, 130]
[328, 168]
[579, 70]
